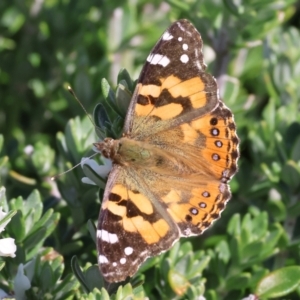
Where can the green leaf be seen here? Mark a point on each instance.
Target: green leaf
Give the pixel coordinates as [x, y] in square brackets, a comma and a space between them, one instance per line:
[9, 215]
[48, 220]
[241, 281]
[92, 230]
[279, 283]
[17, 227]
[1, 142]
[234, 225]
[46, 277]
[123, 98]
[211, 295]
[295, 155]
[102, 120]
[259, 225]
[35, 238]
[291, 174]
[78, 273]
[124, 76]
[2, 265]
[93, 278]
[236, 249]
[231, 89]
[66, 287]
[223, 251]
[33, 207]
[178, 282]
[94, 176]
[250, 250]
[235, 6]
[109, 95]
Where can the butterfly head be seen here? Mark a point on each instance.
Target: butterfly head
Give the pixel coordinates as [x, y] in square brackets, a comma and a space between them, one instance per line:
[108, 148]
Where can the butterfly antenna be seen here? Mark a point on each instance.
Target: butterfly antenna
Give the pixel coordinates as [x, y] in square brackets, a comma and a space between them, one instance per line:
[74, 95]
[58, 175]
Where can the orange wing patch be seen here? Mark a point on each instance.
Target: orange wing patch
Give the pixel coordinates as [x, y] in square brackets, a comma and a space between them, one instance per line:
[121, 193]
[135, 210]
[169, 111]
[150, 232]
[148, 104]
[196, 213]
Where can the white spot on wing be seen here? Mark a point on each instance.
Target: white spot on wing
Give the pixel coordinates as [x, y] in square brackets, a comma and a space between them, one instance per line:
[225, 173]
[187, 231]
[122, 260]
[109, 274]
[218, 92]
[180, 39]
[185, 46]
[102, 259]
[184, 58]
[114, 264]
[198, 65]
[167, 36]
[194, 211]
[222, 188]
[149, 58]
[180, 26]
[105, 236]
[158, 59]
[128, 250]
[164, 61]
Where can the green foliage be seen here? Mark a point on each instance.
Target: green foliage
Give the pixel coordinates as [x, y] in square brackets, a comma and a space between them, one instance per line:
[251, 47]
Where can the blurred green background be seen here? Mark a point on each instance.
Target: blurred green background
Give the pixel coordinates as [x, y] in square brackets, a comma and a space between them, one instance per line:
[251, 47]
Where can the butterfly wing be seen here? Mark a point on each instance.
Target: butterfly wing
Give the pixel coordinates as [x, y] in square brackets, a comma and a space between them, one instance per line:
[205, 151]
[132, 225]
[173, 87]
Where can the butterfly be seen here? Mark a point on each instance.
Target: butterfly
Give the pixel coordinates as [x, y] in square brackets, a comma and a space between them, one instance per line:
[172, 165]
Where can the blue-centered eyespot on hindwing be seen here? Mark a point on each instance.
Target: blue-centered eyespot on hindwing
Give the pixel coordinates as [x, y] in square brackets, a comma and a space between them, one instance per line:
[172, 166]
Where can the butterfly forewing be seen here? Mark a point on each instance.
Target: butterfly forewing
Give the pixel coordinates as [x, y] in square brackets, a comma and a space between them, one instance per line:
[173, 87]
[172, 165]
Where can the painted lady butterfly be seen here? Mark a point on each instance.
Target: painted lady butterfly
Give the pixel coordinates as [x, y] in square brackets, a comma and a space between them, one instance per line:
[172, 165]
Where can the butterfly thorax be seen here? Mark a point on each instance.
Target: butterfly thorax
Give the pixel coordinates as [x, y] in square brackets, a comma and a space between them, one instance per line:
[137, 154]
